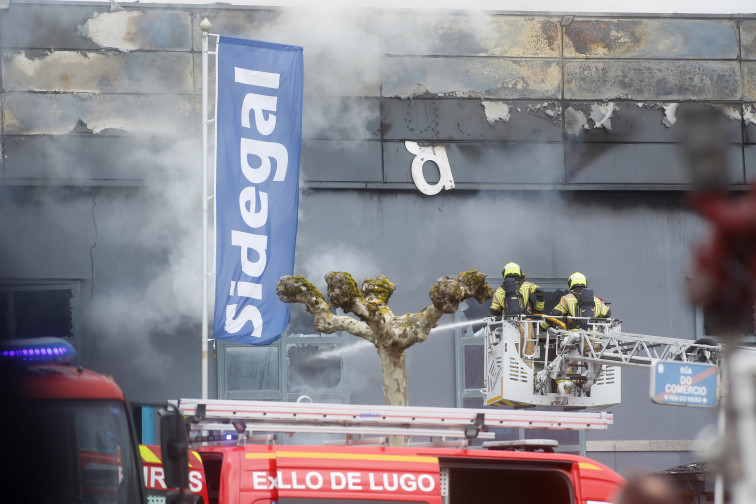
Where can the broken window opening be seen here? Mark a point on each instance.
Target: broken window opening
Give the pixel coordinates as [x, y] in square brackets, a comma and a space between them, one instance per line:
[295, 365]
[714, 326]
[313, 367]
[34, 310]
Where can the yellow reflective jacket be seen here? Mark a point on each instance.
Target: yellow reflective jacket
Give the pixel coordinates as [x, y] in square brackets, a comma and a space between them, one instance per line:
[568, 306]
[526, 290]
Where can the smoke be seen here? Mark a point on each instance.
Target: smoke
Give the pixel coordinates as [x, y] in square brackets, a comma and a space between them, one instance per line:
[484, 231]
[323, 258]
[133, 248]
[369, 234]
[147, 305]
[345, 51]
[342, 67]
[472, 32]
[341, 48]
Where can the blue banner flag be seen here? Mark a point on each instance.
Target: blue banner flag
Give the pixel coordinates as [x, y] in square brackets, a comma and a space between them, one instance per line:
[259, 139]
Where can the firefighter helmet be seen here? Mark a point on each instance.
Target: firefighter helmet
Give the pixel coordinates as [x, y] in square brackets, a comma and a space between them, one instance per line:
[511, 270]
[576, 280]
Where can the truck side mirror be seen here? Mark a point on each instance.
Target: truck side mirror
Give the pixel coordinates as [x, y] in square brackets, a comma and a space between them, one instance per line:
[174, 446]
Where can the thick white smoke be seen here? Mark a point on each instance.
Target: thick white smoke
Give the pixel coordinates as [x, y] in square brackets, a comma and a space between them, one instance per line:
[161, 224]
[338, 257]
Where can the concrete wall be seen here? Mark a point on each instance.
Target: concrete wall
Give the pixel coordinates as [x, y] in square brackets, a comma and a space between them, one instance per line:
[562, 136]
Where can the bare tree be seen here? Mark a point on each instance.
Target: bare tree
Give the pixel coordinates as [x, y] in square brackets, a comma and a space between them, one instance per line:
[375, 321]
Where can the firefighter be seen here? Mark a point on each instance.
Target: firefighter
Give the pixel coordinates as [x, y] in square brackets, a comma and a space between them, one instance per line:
[517, 297]
[528, 296]
[579, 302]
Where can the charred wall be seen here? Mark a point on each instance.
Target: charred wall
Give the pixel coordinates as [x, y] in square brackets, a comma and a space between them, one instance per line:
[99, 143]
[563, 135]
[583, 93]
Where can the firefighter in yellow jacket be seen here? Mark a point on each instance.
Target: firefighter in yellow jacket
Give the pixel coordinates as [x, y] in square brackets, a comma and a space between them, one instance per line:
[579, 302]
[529, 296]
[518, 297]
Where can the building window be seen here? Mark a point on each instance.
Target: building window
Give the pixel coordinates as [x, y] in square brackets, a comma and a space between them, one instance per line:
[709, 327]
[36, 309]
[294, 366]
[253, 369]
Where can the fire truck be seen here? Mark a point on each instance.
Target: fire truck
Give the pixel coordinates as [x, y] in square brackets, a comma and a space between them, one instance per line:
[66, 433]
[244, 464]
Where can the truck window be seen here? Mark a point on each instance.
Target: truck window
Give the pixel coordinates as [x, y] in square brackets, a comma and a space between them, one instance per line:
[514, 484]
[69, 452]
[212, 462]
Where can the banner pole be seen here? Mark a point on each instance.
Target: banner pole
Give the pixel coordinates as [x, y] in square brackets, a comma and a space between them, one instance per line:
[205, 27]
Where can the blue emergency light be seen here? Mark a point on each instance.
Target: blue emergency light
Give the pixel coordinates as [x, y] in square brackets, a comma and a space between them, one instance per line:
[35, 351]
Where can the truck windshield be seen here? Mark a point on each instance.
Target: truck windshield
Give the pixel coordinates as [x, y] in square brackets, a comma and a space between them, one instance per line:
[69, 452]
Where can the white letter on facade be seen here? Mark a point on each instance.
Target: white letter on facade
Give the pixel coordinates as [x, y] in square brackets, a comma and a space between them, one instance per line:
[437, 155]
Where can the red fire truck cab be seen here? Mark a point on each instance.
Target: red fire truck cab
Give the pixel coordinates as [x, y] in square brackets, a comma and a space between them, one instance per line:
[262, 474]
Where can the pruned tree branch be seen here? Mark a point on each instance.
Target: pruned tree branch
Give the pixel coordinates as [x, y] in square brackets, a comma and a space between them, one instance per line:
[449, 292]
[296, 289]
[390, 334]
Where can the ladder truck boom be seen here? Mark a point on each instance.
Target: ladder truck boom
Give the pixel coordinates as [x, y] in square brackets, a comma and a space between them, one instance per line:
[638, 350]
[526, 366]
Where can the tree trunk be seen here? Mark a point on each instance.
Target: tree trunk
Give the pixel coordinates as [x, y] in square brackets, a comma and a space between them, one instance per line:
[394, 370]
[395, 393]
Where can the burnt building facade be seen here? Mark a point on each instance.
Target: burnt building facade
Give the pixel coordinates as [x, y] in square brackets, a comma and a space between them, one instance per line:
[557, 144]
